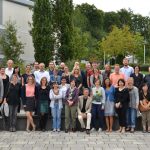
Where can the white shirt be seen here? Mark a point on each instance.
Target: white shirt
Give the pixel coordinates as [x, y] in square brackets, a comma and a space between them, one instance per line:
[40, 74]
[64, 89]
[9, 72]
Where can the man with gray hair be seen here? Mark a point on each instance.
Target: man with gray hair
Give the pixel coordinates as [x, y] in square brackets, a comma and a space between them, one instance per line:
[9, 70]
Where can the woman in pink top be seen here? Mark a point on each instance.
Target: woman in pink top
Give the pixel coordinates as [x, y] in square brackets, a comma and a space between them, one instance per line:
[29, 96]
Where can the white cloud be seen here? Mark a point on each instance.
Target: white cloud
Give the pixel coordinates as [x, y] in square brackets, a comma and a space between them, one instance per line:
[138, 6]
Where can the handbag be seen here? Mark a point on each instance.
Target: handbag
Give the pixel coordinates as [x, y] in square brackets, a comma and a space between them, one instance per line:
[5, 109]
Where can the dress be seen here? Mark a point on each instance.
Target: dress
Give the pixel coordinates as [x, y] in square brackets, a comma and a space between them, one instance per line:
[109, 103]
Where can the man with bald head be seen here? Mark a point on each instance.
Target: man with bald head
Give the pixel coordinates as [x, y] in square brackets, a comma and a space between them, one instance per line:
[9, 69]
[41, 73]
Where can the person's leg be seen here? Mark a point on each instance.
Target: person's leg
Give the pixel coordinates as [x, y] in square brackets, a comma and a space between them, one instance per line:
[88, 121]
[67, 117]
[111, 118]
[100, 113]
[107, 123]
[144, 120]
[73, 116]
[118, 111]
[128, 116]
[148, 120]
[123, 122]
[58, 118]
[10, 117]
[80, 118]
[53, 111]
[93, 111]
[133, 118]
[14, 115]
[45, 121]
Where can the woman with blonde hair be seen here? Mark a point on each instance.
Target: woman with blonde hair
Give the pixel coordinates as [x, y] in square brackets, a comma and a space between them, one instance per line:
[29, 93]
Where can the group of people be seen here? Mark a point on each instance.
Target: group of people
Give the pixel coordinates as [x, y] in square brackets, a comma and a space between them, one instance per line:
[91, 95]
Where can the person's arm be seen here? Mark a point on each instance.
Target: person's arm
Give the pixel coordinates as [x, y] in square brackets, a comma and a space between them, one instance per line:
[80, 85]
[91, 81]
[101, 79]
[78, 107]
[1, 90]
[90, 106]
[137, 97]
[103, 97]
[23, 95]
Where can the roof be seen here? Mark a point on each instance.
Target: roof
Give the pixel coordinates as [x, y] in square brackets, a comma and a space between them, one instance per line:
[22, 2]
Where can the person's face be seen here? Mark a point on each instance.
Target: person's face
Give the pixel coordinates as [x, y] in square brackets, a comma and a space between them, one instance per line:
[86, 93]
[137, 69]
[16, 70]
[94, 65]
[121, 83]
[14, 79]
[76, 71]
[107, 82]
[44, 81]
[66, 69]
[130, 82]
[88, 67]
[76, 64]
[41, 67]
[2, 71]
[107, 68]
[51, 65]
[97, 83]
[28, 68]
[72, 84]
[30, 80]
[10, 64]
[36, 65]
[55, 85]
[62, 65]
[145, 88]
[63, 81]
[125, 62]
[117, 69]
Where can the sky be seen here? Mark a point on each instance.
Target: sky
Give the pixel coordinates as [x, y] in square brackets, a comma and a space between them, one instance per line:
[137, 6]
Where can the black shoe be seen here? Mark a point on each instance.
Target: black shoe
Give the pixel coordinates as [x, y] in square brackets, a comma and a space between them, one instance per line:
[13, 129]
[73, 130]
[88, 131]
[66, 130]
[82, 130]
[43, 130]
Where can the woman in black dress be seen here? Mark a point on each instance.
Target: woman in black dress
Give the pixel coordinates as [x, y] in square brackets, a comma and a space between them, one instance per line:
[121, 103]
[43, 102]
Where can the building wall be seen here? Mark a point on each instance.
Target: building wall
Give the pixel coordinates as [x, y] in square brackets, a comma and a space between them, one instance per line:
[22, 15]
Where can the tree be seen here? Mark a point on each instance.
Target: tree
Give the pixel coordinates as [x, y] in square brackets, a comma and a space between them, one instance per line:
[42, 31]
[63, 24]
[10, 44]
[122, 42]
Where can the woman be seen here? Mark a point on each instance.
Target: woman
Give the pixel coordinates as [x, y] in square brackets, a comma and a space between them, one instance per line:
[95, 76]
[26, 74]
[145, 103]
[71, 101]
[66, 74]
[43, 102]
[29, 93]
[133, 105]
[55, 96]
[109, 104]
[76, 75]
[137, 76]
[17, 72]
[12, 97]
[121, 104]
[98, 103]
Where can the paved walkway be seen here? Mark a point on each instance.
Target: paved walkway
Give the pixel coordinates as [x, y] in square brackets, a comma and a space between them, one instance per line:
[73, 141]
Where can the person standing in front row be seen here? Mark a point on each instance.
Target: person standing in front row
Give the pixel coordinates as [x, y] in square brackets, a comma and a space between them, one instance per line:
[121, 104]
[29, 96]
[12, 97]
[84, 110]
[109, 110]
[43, 102]
[56, 105]
[98, 103]
[71, 100]
[133, 105]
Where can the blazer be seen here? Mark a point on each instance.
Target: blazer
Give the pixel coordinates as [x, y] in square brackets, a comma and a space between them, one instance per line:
[87, 107]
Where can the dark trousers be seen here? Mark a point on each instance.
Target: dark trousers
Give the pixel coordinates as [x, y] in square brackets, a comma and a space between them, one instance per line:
[13, 115]
[43, 121]
[97, 112]
[122, 112]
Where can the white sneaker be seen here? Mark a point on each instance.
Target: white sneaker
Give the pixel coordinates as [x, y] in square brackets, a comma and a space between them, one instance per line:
[93, 129]
[100, 130]
[54, 130]
[58, 130]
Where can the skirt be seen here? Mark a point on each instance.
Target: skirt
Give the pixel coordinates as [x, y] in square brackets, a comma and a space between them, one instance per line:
[109, 108]
[30, 104]
[44, 107]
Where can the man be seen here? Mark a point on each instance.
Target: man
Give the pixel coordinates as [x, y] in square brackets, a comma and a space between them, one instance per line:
[36, 67]
[1, 90]
[114, 77]
[51, 68]
[147, 78]
[84, 110]
[61, 71]
[41, 73]
[126, 69]
[9, 70]
[106, 73]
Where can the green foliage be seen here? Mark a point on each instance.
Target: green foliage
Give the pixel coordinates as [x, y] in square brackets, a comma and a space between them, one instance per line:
[12, 48]
[42, 31]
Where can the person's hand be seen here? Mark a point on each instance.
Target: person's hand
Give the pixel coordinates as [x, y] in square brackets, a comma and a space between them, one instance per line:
[24, 106]
[102, 108]
[83, 115]
[0, 100]
[4, 102]
[70, 103]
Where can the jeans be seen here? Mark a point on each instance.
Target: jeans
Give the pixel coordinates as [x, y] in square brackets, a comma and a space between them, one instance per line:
[56, 114]
[13, 115]
[131, 117]
[97, 112]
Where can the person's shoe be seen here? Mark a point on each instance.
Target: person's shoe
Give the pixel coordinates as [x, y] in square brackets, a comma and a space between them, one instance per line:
[123, 130]
[82, 130]
[66, 130]
[54, 130]
[27, 130]
[58, 130]
[132, 130]
[87, 131]
[14, 129]
[100, 130]
[34, 128]
[128, 129]
[93, 129]
[73, 130]
[10, 129]
[43, 130]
